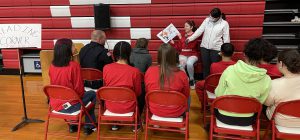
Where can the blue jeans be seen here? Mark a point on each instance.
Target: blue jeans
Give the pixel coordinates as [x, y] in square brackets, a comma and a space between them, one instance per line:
[89, 96]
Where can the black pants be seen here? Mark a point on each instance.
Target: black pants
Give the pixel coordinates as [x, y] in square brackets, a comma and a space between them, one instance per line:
[239, 121]
[208, 57]
[94, 84]
[141, 99]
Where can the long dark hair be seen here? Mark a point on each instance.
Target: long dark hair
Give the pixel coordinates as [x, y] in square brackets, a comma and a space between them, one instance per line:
[216, 13]
[291, 59]
[192, 24]
[122, 50]
[62, 52]
[167, 61]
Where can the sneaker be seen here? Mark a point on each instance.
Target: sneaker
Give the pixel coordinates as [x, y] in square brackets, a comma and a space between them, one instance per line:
[156, 126]
[89, 131]
[192, 84]
[138, 128]
[73, 128]
[114, 128]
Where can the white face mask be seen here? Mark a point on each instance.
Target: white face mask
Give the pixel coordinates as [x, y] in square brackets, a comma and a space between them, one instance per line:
[212, 19]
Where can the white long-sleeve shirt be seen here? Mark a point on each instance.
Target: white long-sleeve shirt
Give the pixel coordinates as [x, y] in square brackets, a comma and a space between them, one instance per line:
[215, 34]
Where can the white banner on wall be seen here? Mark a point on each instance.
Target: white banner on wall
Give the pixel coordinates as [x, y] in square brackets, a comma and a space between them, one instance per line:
[20, 35]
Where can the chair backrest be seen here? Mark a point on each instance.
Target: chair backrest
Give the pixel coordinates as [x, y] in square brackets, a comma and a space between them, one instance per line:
[288, 108]
[166, 98]
[91, 74]
[211, 82]
[60, 93]
[237, 104]
[116, 94]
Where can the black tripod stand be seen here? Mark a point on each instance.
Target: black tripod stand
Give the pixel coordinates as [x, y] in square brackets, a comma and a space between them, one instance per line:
[25, 119]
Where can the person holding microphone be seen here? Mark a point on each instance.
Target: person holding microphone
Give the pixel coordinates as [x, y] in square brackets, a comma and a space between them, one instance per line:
[188, 54]
[215, 31]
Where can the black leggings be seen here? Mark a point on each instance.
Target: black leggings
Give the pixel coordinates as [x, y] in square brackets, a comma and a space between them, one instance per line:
[239, 121]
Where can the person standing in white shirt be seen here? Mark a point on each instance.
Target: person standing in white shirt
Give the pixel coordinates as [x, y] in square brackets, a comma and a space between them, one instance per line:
[215, 31]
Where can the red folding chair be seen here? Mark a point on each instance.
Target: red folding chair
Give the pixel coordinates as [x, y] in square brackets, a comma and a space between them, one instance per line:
[167, 98]
[90, 74]
[116, 94]
[286, 108]
[66, 94]
[211, 83]
[236, 104]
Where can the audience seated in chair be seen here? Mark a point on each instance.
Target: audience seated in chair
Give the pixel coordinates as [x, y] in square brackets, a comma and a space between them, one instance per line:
[286, 88]
[167, 76]
[227, 50]
[271, 53]
[244, 79]
[140, 57]
[94, 55]
[65, 72]
[121, 74]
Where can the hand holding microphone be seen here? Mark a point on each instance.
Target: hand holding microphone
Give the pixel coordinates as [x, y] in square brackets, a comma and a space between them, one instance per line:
[186, 41]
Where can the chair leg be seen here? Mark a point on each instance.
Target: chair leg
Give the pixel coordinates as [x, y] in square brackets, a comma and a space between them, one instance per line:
[79, 126]
[204, 115]
[46, 129]
[211, 128]
[273, 131]
[98, 129]
[146, 127]
[135, 127]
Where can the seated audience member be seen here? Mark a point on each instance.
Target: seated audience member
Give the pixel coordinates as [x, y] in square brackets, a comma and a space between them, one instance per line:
[94, 55]
[65, 72]
[121, 74]
[140, 57]
[286, 88]
[227, 50]
[167, 76]
[244, 79]
[271, 53]
[188, 54]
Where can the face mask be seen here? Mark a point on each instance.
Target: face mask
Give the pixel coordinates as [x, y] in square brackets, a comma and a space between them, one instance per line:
[213, 19]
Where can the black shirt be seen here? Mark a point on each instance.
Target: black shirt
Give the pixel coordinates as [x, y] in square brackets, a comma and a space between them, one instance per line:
[94, 55]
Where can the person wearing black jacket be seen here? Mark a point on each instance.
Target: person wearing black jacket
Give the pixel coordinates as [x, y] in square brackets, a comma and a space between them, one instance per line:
[95, 55]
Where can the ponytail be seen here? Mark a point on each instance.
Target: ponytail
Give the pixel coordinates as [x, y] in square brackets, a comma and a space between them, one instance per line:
[223, 16]
[192, 24]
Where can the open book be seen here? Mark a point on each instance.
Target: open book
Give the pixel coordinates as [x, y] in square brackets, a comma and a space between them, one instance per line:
[168, 33]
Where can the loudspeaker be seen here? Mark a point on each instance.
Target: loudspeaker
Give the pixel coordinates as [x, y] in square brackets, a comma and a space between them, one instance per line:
[102, 16]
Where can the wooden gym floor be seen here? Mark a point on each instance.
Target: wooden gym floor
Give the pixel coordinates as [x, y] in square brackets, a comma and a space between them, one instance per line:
[11, 113]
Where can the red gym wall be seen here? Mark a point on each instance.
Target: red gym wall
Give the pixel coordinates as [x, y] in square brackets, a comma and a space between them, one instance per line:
[130, 19]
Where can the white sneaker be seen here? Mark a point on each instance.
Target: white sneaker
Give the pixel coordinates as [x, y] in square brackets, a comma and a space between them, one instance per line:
[156, 126]
[296, 19]
[182, 129]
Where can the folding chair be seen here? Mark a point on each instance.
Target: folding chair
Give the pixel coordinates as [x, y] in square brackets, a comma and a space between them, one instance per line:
[66, 94]
[211, 83]
[116, 94]
[236, 104]
[287, 108]
[90, 74]
[164, 99]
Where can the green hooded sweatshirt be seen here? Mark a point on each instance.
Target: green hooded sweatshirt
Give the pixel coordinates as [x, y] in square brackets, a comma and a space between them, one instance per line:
[244, 80]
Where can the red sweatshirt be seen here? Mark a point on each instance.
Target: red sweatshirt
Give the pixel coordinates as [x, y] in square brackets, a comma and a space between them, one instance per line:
[179, 82]
[187, 50]
[68, 76]
[271, 69]
[219, 67]
[122, 75]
